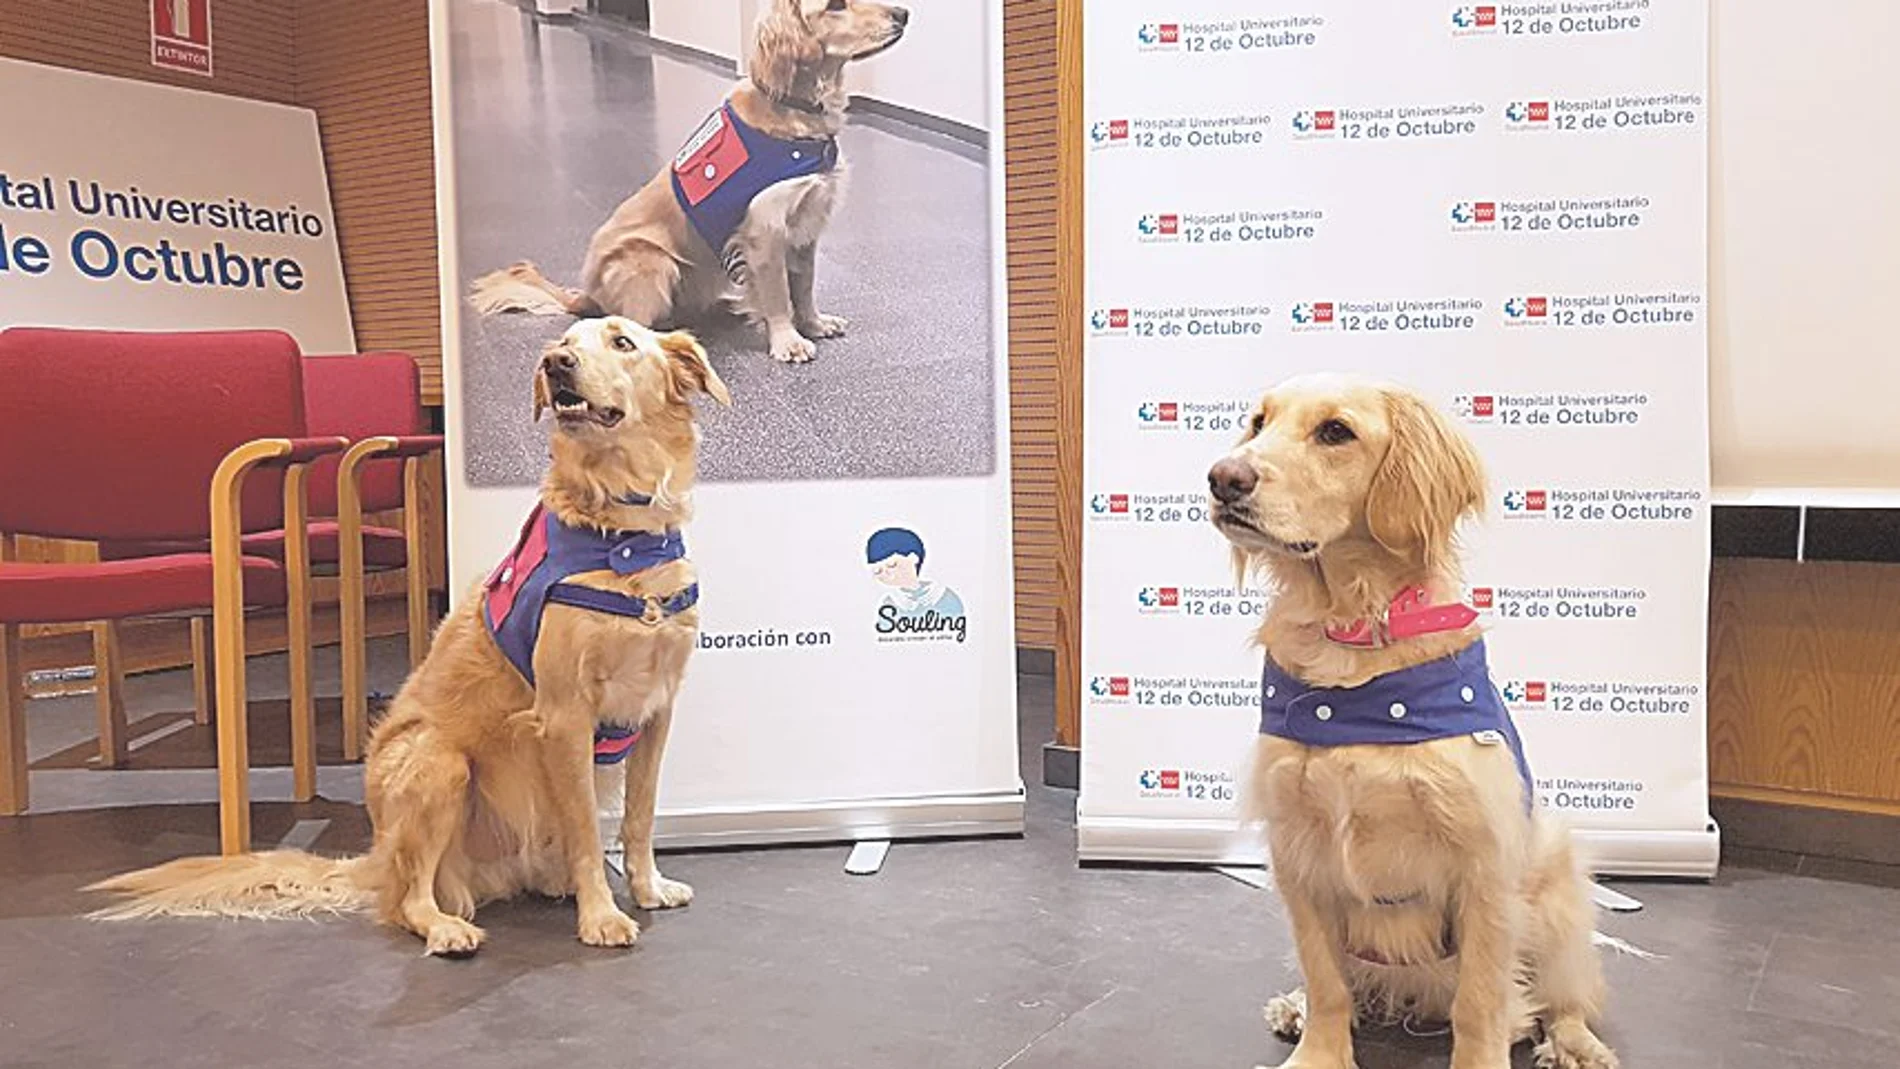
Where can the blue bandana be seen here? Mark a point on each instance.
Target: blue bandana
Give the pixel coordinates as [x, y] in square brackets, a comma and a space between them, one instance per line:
[1440, 699]
[726, 164]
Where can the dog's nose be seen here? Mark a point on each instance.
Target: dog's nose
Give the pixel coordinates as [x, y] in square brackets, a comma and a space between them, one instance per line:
[900, 15]
[561, 360]
[1231, 479]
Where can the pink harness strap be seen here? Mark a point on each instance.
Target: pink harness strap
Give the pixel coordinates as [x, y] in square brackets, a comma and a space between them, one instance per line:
[1409, 615]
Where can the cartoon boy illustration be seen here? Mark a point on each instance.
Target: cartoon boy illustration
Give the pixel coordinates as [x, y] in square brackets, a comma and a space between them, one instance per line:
[896, 556]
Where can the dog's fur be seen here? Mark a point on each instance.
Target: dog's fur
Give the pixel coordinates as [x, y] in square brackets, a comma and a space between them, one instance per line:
[648, 263]
[1339, 524]
[481, 787]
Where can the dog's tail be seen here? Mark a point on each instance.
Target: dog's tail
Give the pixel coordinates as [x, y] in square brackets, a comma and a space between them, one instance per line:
[278, 883]
[522, 288]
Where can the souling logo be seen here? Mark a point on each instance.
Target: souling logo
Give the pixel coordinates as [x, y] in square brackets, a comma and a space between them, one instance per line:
[1229, 36]
[1586, 410]
[1600, 310]
[1409, 122]
[1610, 505]
[1605, 113]
[1590, 604]
[1403, 316]
[1189, 134]
[1192, 417]
[1198, 692]
[1117, 507]
[1314, 315]
[1180, 321]
[1564, 18]
[1549, 216]
[1203, 601]
[1193, 784]
[914, 609]
[1538, 694]
[1239, 227]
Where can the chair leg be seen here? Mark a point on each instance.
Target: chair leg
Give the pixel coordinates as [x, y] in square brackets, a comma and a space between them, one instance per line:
[203, 700]
[13, 772]
[354, 637]
[109, 693]
[417, 570]
[303, 705]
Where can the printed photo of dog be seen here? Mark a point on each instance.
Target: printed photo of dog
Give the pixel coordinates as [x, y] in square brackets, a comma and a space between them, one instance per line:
[481, 784]
[692, 174]
[672, 250]
[1422, 882]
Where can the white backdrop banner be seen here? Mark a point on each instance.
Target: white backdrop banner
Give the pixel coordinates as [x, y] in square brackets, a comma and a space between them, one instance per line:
[855, 676]
[1500, 205]
[128, 205]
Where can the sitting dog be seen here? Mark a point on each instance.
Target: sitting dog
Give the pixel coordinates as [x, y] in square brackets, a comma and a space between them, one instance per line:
[738, 213]
[1420, 878]
[480, 780]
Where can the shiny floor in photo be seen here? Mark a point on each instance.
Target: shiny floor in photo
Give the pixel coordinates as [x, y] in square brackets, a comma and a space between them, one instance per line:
[556, 123]
[999, 954]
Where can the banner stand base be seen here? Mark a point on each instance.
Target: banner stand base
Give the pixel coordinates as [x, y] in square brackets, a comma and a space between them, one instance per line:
[1675, 854]
[967, 816]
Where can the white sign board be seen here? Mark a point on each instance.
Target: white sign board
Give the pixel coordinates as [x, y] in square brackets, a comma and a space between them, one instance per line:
[1503, 206]
[133, 206]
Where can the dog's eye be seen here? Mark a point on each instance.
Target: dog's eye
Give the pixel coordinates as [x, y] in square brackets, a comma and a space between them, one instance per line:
[1333, 432]
[623, 343]
[1255, 425]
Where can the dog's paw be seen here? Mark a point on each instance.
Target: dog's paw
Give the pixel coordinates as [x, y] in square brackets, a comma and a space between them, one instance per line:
[662, 893]
[1573, 1048]
[824, 326]
[453, 937]
[793, 348]
[1286, 1015]
[609, 928]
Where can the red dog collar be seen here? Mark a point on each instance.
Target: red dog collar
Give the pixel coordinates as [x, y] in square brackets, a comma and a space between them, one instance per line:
[1409, 615]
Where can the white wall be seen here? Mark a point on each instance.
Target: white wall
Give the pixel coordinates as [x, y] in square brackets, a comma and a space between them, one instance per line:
[941, 67]
[1804, 246]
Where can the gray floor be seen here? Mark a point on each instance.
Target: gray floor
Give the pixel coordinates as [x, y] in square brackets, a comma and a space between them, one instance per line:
[556, 124]
[961, 955]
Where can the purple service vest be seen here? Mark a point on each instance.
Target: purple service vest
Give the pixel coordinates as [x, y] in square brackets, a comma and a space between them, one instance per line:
[726, 164]
[533, 575]
[1441, 699]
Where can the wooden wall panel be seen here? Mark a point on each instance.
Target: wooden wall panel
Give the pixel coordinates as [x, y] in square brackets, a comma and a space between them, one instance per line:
[253, 54]
[1804, 683]
[364, 68]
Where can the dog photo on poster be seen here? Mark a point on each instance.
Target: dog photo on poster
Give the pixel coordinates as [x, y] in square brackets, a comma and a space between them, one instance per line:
[835, 266]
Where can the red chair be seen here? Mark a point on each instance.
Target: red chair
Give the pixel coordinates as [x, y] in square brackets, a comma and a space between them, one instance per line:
[373, 399]
[125, 437]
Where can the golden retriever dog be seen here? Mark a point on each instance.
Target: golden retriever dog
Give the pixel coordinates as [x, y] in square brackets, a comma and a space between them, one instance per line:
[737, 214]
[480, 783]
[1420, 880]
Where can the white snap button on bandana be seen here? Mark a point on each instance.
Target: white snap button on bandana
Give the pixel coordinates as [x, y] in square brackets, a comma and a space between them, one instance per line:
[711, 171]
[797, 155]
[1271, 689]
[1397, 710]
[507, 575]
[1324, 712]
[1466, 694]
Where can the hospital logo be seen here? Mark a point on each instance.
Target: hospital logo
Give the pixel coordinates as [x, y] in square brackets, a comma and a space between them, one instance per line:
[1526, 311]
[1109, 504]
[1308, 125]
[1165, 227]
[1152, 600]
[1468, 20]
[1519, 693]
[1160, 781]
[913, 608]
[1527, 115]
[1158, 36]
[1471, 215]
[1476, 408]
[1313, 315]
[1482, 598]
[1109, 321]
[1187, 783]
[1159, 413]
[1110, 689]
[1170, 508]
[1596, 505]
[1526, 503]
[1108, 132]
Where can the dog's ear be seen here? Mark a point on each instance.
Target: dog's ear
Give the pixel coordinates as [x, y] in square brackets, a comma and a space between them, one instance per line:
[691, 369]
[541, 401]
[785, 52]
[1431, 479]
